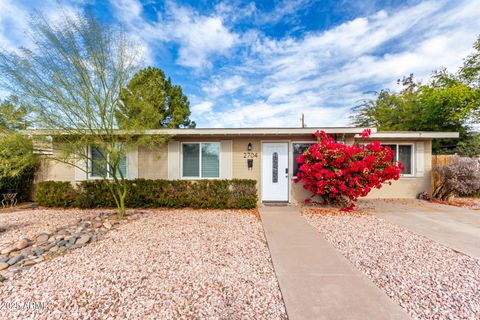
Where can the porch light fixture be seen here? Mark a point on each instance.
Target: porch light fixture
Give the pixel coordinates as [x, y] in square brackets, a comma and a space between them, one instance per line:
[249, 147]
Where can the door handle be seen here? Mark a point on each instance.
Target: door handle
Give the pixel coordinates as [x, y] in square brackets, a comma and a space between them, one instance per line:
[286, 172]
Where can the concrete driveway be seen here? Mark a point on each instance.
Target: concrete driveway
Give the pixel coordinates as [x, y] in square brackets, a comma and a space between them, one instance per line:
[455, 227]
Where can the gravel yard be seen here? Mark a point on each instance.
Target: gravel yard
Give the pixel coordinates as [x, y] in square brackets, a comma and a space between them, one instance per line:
[167, 265]
[427, 279]
[471, 203]
[27, 223]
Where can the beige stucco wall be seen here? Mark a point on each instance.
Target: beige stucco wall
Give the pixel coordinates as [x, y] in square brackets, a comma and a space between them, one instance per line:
[56, 171]
[153, 164]
[408, 187]
[239, 162]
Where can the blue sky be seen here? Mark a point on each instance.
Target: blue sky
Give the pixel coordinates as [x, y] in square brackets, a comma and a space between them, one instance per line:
[263, 63]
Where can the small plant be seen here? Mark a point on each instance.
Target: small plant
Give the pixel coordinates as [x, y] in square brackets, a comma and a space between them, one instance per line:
[461, 177]
[424, 196]
[340, 173]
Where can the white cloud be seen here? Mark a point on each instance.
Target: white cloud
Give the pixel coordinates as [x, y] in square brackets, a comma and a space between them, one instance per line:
[127, 10]
[203, 107]
[13, 24]
[324, 74]
[267, 81]
[218, 86]
[200, 37]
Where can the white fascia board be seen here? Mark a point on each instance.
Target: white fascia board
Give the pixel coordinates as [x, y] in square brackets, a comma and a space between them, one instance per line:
[255, 131]
[220, 131]
[412, 135]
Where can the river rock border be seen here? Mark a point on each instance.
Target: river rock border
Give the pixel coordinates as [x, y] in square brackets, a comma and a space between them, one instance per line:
[45, 246]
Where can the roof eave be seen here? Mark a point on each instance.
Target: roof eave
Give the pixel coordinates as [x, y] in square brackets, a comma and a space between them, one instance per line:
[221, 131]
[412, 135]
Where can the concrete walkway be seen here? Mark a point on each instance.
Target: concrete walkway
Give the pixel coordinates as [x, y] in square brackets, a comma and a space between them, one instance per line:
[316, 281]
[454, 227]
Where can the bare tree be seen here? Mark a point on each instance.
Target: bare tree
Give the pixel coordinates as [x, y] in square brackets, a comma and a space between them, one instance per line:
[71, 78]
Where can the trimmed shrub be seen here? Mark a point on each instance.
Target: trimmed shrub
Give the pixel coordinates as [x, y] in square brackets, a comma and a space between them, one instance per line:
[56, 194]
[243, 195]
[461, 177]
[208, 194]
[94, 194]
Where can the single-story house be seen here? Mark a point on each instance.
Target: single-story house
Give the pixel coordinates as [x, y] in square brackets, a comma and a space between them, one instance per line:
[266, 155]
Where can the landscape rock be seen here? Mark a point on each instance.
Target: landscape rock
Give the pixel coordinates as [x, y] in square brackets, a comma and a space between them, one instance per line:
[7, 250]
[73, 239]
[45, 245]
[62, 232]
[22, 244]
[110, 279]
[15, 259]
[97, 224]
[42, 237]
[29, 263]
[26, 251]
[84, 239]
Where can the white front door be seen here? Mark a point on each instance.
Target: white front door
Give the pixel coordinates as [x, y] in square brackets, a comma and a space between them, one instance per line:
[275, 171]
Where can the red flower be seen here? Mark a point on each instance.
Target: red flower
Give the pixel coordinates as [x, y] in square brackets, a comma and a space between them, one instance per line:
[341, 173]
[365, 134]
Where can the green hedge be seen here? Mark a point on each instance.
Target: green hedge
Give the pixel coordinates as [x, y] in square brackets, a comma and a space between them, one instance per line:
[56, 194]
[214, 194]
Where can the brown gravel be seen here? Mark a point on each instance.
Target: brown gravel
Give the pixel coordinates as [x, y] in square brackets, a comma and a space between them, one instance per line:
[470, 203]
[167, 265]
[27, 223]
[428, 280]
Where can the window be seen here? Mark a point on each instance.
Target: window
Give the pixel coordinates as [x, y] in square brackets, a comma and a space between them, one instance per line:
[201, 160]
[101, 168]
[404, 154]
[275, 167]
[298, 149]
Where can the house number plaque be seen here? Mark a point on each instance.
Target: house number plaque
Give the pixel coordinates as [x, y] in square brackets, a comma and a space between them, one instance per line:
[250, 155]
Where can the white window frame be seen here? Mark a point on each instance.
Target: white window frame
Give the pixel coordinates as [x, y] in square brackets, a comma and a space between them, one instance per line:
[406, 175]
[293, 159]
[200, 160]
[90, 167]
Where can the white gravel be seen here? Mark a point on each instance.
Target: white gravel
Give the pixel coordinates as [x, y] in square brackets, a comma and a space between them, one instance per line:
[428, 280]
[27, 223]
[175, 264]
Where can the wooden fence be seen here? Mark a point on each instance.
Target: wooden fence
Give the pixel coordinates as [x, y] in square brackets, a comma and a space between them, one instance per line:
[441, 160]
[437, 161]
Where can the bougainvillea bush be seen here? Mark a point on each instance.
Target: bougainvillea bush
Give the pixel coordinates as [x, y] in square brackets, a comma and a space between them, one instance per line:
[339, 173]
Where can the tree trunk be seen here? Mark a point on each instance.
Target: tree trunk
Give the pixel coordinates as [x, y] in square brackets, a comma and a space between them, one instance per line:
[121, 206]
